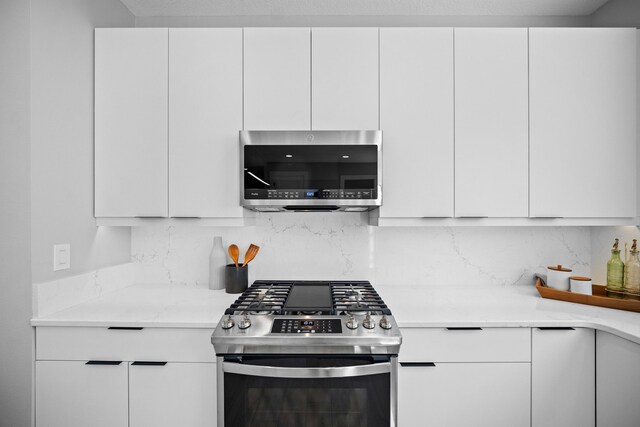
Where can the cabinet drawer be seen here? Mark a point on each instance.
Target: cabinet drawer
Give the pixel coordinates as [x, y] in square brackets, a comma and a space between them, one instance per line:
[465, 345]
[151, 344]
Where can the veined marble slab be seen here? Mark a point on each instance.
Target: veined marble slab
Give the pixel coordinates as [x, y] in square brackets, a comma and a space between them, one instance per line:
[312, 246]
[51, 297]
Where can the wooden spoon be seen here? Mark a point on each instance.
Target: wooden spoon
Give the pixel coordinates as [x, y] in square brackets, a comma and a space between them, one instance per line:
[234, 253]
[251, 254]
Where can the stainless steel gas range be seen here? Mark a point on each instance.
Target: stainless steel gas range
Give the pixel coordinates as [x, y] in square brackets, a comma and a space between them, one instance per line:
[307, 353]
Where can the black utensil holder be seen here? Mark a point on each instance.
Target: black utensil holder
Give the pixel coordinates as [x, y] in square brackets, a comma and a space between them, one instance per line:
[236, 279]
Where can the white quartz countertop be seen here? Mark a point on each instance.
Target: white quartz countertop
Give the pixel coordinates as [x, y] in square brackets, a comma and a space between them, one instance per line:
[171, 306]
[179, 306]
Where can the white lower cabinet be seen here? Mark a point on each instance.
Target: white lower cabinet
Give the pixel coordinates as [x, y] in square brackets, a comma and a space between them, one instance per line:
[458, 377]
[174, 394]
[138, 377]
[464, 394]
[618, 381]
[563, 377]
[80, 394]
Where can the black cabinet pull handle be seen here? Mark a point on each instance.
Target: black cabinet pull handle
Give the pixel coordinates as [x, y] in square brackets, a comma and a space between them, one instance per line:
[125, 328]
[556, 328]
[104, 362]
[149, 363]
[417, 364]
[470, 328]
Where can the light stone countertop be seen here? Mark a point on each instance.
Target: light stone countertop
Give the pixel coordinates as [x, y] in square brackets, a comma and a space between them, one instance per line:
[179, 306]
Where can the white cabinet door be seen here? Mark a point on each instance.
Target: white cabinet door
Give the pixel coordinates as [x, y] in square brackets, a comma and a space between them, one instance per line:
[345, 79]
[491, 122]
[583, 122]
[618, 381]
[76, 394]
[205, 116]
[563, 378]
[416, 116]
[277, 78]
[131, 105]
[464, 394]
[176, 394]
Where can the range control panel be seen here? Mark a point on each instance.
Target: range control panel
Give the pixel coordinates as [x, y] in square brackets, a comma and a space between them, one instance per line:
[306, 326]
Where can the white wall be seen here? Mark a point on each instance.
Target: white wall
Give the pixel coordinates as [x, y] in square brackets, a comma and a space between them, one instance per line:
[617, 13]
[62, 136]
[15, 269]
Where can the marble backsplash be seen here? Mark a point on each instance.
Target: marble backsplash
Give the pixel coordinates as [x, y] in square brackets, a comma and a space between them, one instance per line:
[55, 295]
[343, 246]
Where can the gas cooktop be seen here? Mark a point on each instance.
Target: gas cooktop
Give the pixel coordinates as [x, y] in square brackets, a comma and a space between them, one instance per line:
[309, 297]
[292, 317]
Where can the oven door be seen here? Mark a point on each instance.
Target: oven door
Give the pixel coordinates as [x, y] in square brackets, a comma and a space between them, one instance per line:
[307, 391]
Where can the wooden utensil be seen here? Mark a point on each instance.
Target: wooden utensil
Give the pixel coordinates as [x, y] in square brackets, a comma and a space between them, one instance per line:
[251, 254]
[234, 253]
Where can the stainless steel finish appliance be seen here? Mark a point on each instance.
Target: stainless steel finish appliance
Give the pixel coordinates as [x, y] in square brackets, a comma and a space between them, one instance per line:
[311, 170]
[303, 353]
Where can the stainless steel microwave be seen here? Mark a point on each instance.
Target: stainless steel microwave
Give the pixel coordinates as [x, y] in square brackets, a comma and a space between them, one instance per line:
[311, 171]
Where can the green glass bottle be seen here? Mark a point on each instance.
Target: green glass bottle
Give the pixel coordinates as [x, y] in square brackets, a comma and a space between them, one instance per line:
[615, 270]
[632, 271]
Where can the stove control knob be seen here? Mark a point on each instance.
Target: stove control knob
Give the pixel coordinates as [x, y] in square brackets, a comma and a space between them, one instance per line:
[244, 323]
[385, 323]
[368, 322]
[228, 323]
[352, 323]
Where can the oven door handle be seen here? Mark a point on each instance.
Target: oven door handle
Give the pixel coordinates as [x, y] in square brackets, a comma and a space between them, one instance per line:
[337, 372]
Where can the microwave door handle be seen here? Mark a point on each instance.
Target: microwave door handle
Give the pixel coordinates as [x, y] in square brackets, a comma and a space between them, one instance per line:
[278, 372]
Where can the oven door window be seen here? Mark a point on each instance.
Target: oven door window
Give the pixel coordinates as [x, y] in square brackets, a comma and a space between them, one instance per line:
[354, 401]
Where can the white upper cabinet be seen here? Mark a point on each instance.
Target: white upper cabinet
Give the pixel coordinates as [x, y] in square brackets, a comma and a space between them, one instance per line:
[583, 128]
[131, 77]
[491, 122]
[205, 116]
[277, 78]
[345, 79]
[416, 116]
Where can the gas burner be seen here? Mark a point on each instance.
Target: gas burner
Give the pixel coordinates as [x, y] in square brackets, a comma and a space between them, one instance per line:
[356, 309]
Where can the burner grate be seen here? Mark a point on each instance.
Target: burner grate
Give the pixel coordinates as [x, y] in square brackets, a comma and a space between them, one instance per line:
[262, 298]
[357, 298]
[347, 297]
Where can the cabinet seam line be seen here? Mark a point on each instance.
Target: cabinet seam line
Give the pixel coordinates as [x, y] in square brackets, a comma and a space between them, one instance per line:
[454, 120]
[528, 124]
[311, 78]
[168, 118]
[243, 76]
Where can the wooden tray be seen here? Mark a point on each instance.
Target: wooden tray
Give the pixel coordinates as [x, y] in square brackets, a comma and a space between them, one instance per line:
[599, 297]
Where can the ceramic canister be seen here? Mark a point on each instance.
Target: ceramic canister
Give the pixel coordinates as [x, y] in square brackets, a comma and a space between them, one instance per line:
[580, 285]
[558, 277]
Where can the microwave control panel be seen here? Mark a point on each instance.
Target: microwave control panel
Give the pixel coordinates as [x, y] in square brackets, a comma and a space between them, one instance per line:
[262, 194]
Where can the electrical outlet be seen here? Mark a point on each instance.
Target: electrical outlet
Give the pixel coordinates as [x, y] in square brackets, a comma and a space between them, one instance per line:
[61, 257]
